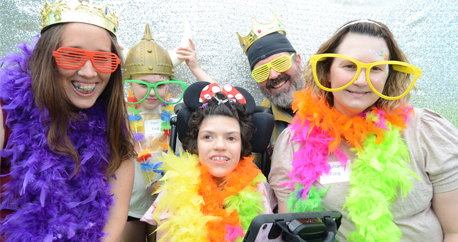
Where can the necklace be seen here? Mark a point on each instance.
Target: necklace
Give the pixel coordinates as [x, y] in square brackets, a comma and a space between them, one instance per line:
[376, 138]
[202, 210]
[137, 123]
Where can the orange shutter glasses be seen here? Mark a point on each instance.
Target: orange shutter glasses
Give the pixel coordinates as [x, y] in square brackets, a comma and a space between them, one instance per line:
[74, 58]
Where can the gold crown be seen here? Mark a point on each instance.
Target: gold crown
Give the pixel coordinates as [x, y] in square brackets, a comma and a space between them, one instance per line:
[260, 30]
[82, 12]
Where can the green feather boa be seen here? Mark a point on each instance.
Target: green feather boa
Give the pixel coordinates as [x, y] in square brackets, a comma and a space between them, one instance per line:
[379, 175]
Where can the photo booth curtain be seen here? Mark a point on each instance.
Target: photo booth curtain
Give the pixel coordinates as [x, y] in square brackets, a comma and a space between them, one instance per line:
[427, 31]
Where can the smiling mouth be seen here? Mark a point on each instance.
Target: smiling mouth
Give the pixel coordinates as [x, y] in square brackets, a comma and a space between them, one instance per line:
[219, 158]
[357, 92]
[278, 85]
[278, 82]
[84, 88]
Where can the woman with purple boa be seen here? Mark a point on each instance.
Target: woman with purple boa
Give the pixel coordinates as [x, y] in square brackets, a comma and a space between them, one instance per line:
[65, 148]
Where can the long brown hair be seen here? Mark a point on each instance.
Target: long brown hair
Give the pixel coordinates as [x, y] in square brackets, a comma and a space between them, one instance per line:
[49, 94]
[396, 83]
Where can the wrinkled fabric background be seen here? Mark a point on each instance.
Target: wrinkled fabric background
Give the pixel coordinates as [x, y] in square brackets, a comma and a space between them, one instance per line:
[427, 31]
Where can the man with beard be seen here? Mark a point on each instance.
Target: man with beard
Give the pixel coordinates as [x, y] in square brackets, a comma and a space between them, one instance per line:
[276, 67]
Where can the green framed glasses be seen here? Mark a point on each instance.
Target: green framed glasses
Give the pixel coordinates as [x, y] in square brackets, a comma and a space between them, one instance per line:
[376, 73]
[279, 64]
[173, 87]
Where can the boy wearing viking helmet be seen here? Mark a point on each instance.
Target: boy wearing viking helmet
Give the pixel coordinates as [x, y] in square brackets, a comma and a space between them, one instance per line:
[152, 95]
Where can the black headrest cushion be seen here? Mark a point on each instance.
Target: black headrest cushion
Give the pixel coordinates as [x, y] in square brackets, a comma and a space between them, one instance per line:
[264, 123]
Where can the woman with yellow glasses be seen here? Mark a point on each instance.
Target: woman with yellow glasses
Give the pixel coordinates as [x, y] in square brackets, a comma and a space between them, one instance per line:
[356, 146]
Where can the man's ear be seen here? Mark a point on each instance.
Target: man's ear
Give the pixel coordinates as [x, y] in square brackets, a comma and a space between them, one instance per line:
[298, 61]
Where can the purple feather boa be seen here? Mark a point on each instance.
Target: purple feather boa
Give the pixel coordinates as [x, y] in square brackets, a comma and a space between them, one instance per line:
[51, 206]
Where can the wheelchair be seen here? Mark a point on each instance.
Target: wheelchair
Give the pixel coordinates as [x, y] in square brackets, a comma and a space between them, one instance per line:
[312, 227]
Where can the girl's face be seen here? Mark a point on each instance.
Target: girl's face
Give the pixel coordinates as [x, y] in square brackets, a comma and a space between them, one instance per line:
[358, 96]
[219, 145]
[84, 85]
[140, 90]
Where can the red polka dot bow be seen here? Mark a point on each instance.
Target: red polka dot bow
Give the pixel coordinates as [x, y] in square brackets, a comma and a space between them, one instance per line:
[232, 94]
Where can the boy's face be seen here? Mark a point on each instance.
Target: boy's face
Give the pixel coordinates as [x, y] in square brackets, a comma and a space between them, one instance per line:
[140, 90]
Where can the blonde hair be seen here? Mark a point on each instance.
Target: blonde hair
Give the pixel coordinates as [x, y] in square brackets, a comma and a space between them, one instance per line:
[396, 83]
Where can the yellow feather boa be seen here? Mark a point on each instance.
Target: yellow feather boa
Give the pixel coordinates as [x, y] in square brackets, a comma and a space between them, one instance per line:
[182, 185]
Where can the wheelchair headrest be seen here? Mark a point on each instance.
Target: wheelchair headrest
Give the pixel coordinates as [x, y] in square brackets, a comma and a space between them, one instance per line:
[192, 94]
[264, 122]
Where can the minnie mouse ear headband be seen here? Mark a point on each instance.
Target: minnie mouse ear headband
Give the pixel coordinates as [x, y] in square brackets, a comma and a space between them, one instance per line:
[264, 122]
[197, 94]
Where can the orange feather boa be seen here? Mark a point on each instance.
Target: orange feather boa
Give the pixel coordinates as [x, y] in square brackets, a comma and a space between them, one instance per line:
[338, 126]
[214, 196]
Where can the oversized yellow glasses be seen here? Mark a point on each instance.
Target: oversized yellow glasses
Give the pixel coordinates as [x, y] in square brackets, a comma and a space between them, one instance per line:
[376, 72]
[279, 64]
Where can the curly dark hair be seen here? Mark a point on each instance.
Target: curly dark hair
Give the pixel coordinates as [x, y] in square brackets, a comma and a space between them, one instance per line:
[227, 109]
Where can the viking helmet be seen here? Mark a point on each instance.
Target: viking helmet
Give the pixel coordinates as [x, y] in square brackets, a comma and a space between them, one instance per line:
[148, 58]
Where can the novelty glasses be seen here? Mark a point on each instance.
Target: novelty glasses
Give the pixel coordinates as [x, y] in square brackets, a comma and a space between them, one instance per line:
[174, 87]
[279, 64]
[74, 58]
[376, 73]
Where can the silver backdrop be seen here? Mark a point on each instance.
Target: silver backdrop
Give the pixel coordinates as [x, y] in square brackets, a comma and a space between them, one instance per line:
[427, 31]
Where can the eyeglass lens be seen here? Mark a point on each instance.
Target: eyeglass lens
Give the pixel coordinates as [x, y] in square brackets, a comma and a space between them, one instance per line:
[168, 92]
[72, 58]
[280, 64]
[344, 71]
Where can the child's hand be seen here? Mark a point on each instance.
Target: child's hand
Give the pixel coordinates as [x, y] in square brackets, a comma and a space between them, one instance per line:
[188, 55]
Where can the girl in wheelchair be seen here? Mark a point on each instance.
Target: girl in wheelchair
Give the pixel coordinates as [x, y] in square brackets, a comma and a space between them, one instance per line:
[213, 190]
